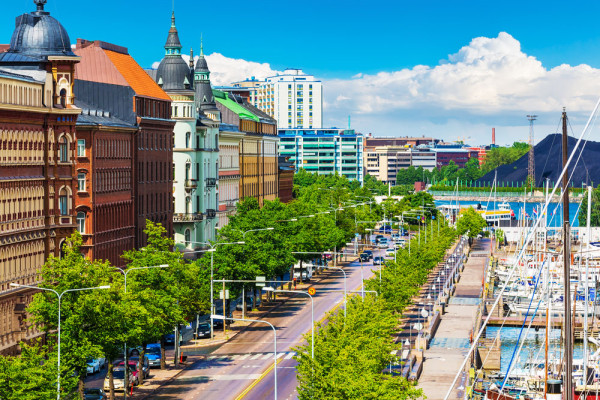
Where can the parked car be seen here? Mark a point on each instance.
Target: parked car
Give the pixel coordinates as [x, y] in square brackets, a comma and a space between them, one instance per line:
[170, 338]
[364, 257]
[383, 244]
[133, 367]
[145, 366]
[153, 354]
[370, 253]
[238, 306]
[377, 260]
[93, 366]
[303, 275]
[119, 380]
[94, 394]
[390, 252]
[204, 330]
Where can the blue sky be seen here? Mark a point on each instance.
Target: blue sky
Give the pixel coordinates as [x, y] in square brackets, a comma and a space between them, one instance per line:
[336, 41]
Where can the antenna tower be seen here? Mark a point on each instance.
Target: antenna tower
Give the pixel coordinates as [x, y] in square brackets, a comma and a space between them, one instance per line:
[531, 163]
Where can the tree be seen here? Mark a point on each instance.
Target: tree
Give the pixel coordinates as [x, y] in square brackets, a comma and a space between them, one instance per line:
[595, 211]
[470, 223]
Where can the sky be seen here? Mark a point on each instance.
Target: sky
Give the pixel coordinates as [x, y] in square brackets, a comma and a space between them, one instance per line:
[449, 69]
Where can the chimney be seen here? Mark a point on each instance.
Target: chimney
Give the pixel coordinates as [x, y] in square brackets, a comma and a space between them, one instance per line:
[493, 136]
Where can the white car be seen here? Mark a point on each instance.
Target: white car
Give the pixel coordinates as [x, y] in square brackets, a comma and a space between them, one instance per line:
[390, 252]
[383, 244]
[93, 366]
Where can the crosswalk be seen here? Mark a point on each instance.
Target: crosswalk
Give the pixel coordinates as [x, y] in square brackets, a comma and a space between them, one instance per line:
[286, 355]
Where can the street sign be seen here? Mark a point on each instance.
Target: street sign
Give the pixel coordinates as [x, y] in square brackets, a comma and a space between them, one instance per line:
[226, 294]
[260, 278]
[418, 326]
[312, 291]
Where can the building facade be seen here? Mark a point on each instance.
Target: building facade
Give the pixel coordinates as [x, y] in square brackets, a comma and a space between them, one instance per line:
[400, 141]
[384, 162]
[324, 151]
[37, 163]
[293, 98]
[229, 171]
[460, 157]
[109, 79]
[104, 201]
[196, 146]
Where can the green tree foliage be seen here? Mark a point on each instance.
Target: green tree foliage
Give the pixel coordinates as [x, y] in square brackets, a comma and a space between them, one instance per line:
[470, 223]
[595, 211]
[503, 155]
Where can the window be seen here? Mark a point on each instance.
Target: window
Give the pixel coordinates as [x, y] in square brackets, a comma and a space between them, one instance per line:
[63, 149]
[80, 147]
[188, 236]
[81, 182]
[63, 202]
[188, 139]
[81, 222]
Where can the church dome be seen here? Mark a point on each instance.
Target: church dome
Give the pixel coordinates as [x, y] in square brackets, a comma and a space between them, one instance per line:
[37, 34]
[174, 74]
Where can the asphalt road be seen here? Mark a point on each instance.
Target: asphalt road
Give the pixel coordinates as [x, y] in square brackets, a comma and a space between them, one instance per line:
[236, 365]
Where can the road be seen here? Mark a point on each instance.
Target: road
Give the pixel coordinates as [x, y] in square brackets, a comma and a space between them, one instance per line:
[238, 365]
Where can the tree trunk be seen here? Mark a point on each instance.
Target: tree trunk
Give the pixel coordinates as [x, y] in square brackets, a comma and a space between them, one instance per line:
[111, 382]
[141, 364]
[163, 358]
[80, 386]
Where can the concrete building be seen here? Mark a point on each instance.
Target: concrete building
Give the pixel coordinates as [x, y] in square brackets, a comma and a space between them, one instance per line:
[423, 156]
[460, 157]
[384, 162]
[293, 98]
[37, 163]
[229, 171]
[399, 141]
[109, 79]
[324, 151]
[195, 145]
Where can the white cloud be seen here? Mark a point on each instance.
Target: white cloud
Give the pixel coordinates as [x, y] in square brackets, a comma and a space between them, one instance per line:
[489, 83]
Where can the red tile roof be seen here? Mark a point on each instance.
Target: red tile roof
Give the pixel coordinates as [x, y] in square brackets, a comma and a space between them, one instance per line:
[98, 64]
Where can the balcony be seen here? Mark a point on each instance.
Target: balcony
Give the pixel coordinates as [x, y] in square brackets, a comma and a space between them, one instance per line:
[187, 217]
[211, 182]
[210, 213]
[191, 184]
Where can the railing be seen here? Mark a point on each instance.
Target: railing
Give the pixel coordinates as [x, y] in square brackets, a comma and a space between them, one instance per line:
[211, 213]
[183, 217]
[211, 182]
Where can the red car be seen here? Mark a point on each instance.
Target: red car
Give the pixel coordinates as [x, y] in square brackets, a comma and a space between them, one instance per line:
[133, 367]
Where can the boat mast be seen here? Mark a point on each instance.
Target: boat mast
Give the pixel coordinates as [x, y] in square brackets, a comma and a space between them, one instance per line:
[568, 383]
[587, 278]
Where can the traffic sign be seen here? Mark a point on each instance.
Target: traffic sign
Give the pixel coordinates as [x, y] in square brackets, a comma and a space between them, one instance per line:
[226, 294]
[312, 291]
[259, 279]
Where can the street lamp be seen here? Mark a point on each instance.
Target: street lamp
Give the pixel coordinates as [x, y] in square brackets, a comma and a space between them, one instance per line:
[287, 220]
[213, 248]
[59, 304]
[256, 230]
[126, 376]
[212, 316]
[312, 310]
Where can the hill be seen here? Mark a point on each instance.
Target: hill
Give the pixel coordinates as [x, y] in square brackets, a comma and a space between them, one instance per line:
[548, 163]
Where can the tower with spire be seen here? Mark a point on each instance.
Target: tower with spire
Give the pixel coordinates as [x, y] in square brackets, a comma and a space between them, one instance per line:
[173, 72]
[205, 99]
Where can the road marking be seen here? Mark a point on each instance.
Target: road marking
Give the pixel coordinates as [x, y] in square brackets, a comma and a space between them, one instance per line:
[290, 355]
[280, 355]
[267, 356]
[243, 357]
[254, 357]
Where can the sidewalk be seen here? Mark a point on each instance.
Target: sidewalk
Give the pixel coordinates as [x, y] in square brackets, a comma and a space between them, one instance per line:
[452, 339]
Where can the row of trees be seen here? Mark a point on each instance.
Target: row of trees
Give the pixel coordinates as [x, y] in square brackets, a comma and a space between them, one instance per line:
[352, 352]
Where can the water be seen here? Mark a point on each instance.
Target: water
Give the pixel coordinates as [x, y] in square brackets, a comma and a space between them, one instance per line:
[533, 347]
[554, 210]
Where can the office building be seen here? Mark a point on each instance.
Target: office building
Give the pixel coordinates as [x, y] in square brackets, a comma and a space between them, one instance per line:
[324, 151]
[384, 162]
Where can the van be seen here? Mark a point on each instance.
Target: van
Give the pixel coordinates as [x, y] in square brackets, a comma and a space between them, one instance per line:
[303, 274]
[153, 354]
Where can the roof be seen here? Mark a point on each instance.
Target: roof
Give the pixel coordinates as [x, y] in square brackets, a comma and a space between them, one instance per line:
[11, 75]
[99, 64]
[240, 110]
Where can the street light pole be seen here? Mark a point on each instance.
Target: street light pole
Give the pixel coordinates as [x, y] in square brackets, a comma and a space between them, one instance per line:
[59, 305]
[312, 311]
[274, 340]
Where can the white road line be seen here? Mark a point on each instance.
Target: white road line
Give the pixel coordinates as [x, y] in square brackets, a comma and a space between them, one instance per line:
[254, 357]
[280, 355]
[243, 357]
[290, 355]
[267, 356]
[212, 357]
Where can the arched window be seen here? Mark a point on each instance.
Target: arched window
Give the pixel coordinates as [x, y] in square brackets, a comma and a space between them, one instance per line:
[63, 202]
[188, 205]
[188, 139]
[81, 222]
[63, 149]
[188, 236]
[63, 98]
[188, 169]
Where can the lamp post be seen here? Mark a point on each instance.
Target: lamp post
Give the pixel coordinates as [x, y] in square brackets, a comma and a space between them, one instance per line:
[60, 295]
[257, 230]
[212, 316]
[126, 376]
[312, 310]
[213, 248]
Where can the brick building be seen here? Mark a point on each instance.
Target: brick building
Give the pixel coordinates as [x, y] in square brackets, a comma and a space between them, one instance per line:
[37, 163]
[109, 79]
[104, 200]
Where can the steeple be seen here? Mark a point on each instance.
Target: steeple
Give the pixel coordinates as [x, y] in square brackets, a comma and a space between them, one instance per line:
[191, 59]
[40, 5]
[205, 100]
[173, 45]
